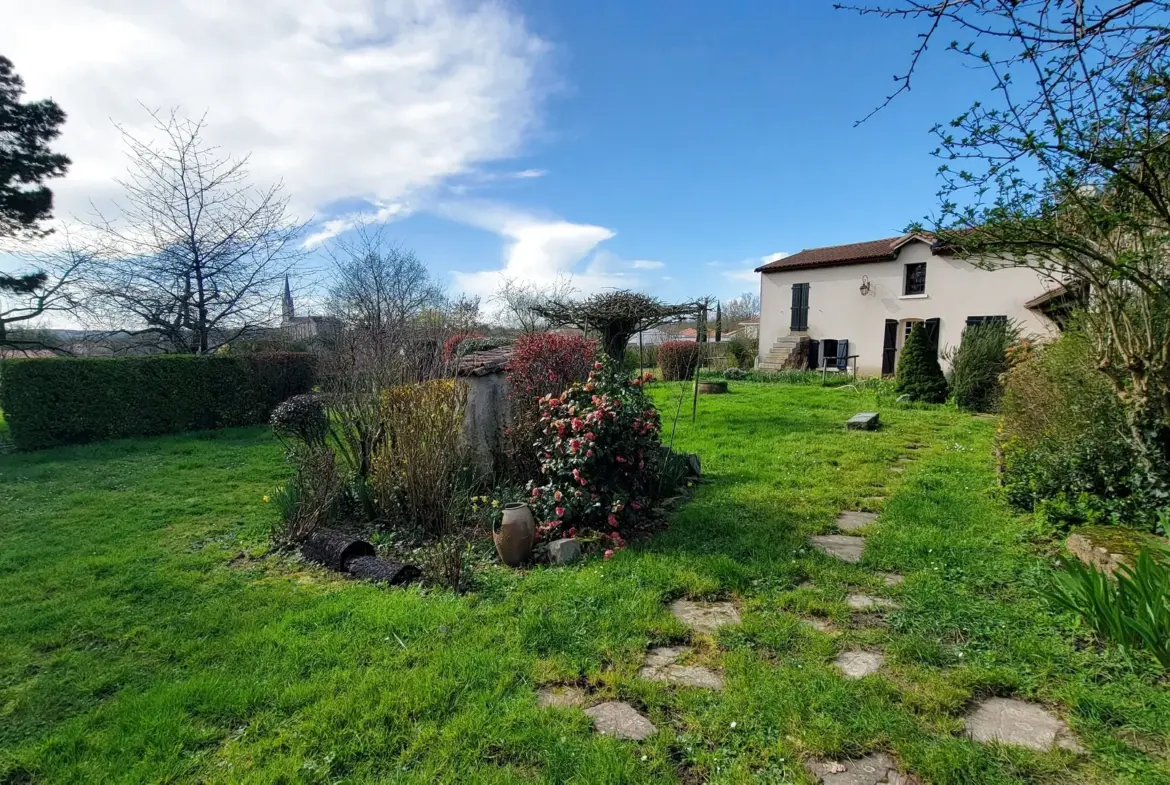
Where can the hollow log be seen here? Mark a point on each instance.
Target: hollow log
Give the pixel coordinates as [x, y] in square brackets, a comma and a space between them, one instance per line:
[377, 570]
[335, 549]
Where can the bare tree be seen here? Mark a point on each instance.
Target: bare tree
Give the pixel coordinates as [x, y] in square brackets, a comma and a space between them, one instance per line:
[741, 309]
[376, 285]
[197, 255]
[518, 302]
[49, 285]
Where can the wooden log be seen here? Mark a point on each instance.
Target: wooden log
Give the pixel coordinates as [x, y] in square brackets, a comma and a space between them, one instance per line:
[335, 549]
[371, 568]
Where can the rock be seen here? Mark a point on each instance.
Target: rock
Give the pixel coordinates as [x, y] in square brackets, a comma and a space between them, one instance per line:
[704, 616]
[562, 697]
[621, 721]
[564, 551]
[820, 625]
[891, 578]
[864, 602]
[1022, 724]
[851, 520]
[874, 769]
[841, 546]
[856, 664]
[864, 421]
[661, 666]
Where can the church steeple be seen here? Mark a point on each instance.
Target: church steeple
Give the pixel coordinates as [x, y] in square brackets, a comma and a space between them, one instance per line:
[287, 312]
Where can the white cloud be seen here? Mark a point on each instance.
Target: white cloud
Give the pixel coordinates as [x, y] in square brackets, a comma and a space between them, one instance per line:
[774, 257]
[647, 264]
[358, 100]
[542, 250]
[748, 276]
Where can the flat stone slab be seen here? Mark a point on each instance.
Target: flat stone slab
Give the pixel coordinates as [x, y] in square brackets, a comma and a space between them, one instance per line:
[841, 546]
[863, 421]
[864, 602]
[856, 664]
[875, 769]
[704, 617]
[852, 520]
[562, 697]
[620, 720]
[891, 578]
[897, 469]
[1022, 724]
[820, 625]
[662, 665]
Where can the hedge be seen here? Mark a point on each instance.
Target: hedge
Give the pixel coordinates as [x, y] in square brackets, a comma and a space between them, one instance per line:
[53, 401]
[678, 359]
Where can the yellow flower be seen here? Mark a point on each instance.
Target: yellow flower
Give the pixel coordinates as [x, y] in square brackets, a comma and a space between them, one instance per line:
[266, 500]
[495, 502]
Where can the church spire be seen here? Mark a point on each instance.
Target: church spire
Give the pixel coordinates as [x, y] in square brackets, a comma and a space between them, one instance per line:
[287, 312]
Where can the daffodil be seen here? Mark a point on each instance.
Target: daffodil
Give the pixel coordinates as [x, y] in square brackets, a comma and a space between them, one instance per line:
[266, 500]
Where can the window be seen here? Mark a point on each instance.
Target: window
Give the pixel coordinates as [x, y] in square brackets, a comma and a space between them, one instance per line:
[915, 282]
[974, 320]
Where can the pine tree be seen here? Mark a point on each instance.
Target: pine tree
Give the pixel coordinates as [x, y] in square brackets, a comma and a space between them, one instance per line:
[25, 158]
[920, 377]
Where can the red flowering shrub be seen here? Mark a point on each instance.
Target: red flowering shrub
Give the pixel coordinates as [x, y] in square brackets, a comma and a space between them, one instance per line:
[451, 345]
[678, 359]
[544, 363]
[599, 451]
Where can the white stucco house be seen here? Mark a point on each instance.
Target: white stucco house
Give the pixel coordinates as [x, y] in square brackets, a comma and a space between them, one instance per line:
[853, 305]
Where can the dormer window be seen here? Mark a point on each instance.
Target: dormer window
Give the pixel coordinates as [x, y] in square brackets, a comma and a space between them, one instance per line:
[915, 279]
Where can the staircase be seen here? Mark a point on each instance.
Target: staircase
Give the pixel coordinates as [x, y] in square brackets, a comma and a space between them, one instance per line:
[789, 352]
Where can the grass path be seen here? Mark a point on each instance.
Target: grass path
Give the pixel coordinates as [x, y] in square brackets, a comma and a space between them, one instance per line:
[145, 638]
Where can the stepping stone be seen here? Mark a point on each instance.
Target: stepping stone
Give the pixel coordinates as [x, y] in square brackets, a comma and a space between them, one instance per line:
[841, 546]
[705, 616]
[856, 664]
[820, 625]
[875, 769]
[561, 697]
[851, 520]
[661, 666]
[897, 469]
[621, 721]
[891, 578]
[864, 602]
[864, 421]
[1023, 724]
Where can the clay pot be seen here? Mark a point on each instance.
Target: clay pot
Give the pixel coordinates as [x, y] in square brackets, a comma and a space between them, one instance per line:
[514, 534]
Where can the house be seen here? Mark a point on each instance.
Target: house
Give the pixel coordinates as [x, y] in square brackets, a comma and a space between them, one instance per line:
[303, 328]
[853, 305]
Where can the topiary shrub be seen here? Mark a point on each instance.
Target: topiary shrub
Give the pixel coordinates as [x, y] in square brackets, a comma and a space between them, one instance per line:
[920, 377]
[599, 452]
[303, 418]
[678, 360]
[735, 373]
[978, 365]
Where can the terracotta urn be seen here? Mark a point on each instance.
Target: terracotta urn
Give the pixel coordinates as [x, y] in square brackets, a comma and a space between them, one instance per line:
[514, 534]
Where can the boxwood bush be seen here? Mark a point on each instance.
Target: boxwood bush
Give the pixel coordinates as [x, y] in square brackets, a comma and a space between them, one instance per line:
[54, 401]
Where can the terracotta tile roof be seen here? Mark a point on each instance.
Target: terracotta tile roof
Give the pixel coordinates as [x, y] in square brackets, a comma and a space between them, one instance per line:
[833, 255]
[486, 362]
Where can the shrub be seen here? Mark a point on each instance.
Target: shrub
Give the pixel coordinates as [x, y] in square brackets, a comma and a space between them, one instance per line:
[55, 401]
[978, 365]
[472, 345]
[920, 377]
[678, 360]
[1132, 609]
[415, 473]
[743, 351]
[1063, 439]
[311, 499]
[735, 373]
[649, 356]
[599, 452]
[301, 417]
[452, 344]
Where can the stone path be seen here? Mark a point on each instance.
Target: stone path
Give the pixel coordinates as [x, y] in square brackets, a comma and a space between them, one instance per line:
[875, 769]
[662, 665]
[562, 697]
[891, 578]
[705, 617]
[864, 602]
[852, 520]
[620, 720]
[842, 546]
[856, 664]
[1010, 721]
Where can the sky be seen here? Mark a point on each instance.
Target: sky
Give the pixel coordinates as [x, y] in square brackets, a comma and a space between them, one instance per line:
[668, 147]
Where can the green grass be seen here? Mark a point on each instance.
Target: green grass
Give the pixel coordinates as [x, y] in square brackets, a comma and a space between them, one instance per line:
[146, 636]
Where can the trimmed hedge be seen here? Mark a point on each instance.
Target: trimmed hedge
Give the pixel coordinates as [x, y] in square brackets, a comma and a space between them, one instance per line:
[678, 360]
[54, 401]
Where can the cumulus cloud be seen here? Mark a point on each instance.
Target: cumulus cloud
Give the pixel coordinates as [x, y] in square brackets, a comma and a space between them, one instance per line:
[541, 250]
[370, 102]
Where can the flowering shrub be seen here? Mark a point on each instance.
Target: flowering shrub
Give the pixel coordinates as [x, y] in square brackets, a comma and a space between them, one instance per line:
[451, 345]
[599, 448]
[678, 359]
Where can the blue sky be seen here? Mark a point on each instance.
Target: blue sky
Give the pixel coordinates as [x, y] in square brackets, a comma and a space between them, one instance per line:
[665, 146]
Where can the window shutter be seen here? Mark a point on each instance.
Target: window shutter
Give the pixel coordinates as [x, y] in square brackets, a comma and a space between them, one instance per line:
[799, 307]
[842, 354]
[889, 346]
[932, 330]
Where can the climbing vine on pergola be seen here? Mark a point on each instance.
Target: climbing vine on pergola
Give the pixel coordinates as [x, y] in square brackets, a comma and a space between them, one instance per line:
[615, 316]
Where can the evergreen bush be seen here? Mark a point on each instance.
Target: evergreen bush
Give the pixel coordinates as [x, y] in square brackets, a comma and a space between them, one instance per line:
[978, 365]
[920, 377]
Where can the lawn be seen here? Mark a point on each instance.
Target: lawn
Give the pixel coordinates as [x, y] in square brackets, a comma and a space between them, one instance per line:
[147, 636]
